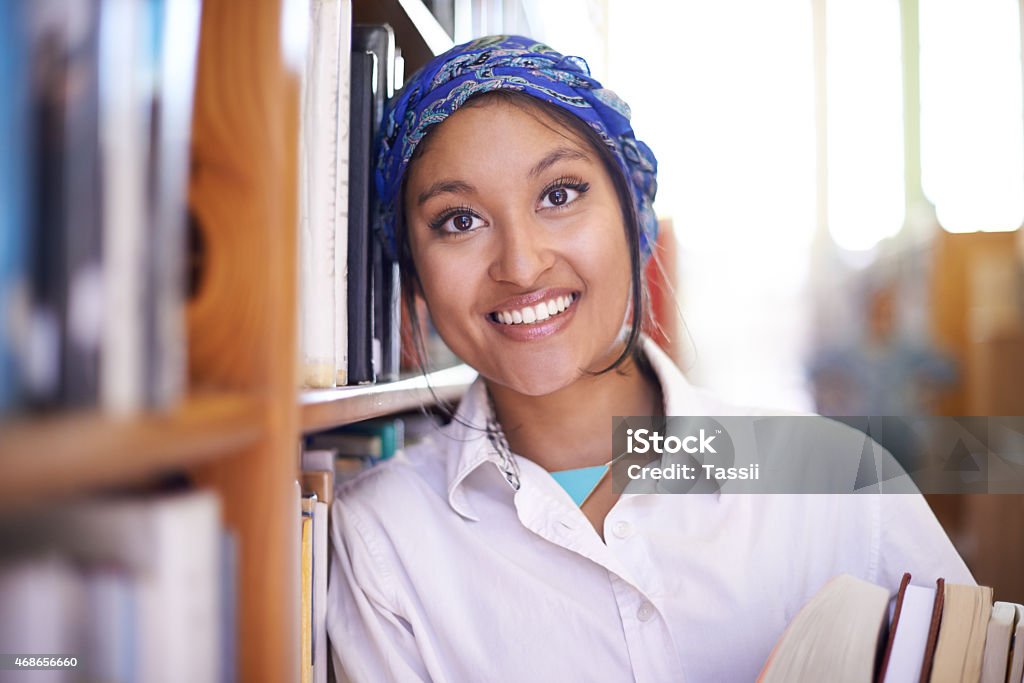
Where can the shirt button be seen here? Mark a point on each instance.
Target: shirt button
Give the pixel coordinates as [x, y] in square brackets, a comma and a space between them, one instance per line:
[622, 529]
[645, 612]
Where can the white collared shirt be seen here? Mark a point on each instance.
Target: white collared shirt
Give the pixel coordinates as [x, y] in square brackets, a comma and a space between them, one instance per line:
[441, 571]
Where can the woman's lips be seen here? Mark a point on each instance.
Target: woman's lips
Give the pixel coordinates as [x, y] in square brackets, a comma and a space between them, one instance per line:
[535, 321]
[529, 314]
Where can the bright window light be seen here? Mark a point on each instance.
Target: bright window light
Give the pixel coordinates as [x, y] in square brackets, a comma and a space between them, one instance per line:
[723, 92]
[865, 122]
[972, 131]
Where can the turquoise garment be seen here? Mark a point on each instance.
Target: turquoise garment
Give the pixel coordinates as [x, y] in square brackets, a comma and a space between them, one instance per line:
[580, 482]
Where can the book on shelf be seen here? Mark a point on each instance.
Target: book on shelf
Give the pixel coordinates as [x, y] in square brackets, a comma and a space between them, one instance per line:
[79, 166]
[134, 586]
[319, 644]
[362, 313]
[347, 451]
[99, 96]
[849, 632]
[176, 32]
[360, 292]
[341, 196]
[320, 192]
[43, 607]
[14, 201]
[147, 72]
[306, 630]
[379, 39]
[318, 487]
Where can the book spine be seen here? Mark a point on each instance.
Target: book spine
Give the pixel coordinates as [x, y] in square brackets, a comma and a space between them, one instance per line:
[229, 607]
[83, 300]
[360, 310]
[15, 169]
[928, 658]
[124, 131]
[379, 303]
[380, 40]
[341, 196]
[319, 593]
[319, 195]
[50, 58]
[392, 320]
[306, 632]
[110, 642]
[177, 30]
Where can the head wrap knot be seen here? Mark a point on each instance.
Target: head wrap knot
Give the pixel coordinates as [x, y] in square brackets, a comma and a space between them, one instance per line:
[508, 63]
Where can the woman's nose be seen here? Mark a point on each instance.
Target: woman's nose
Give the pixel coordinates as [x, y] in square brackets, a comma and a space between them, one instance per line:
[522, 253]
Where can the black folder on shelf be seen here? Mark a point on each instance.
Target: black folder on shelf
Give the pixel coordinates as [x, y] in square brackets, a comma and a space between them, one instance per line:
[379, 39]
[360, 292]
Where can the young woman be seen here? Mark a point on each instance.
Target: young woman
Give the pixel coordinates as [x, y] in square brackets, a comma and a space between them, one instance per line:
[520, 203]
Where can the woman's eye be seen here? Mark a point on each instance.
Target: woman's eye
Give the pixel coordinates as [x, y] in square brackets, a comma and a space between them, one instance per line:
[559, 197]
[562, 195]
[459, 222]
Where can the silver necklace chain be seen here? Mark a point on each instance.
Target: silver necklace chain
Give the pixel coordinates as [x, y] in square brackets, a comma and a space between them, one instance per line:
[496, 435]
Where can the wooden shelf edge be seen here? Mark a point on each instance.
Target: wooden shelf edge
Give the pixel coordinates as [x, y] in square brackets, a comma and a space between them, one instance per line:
[67, 454]
[326, 408]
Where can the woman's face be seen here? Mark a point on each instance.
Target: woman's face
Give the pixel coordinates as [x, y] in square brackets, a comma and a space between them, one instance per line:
[518, 238]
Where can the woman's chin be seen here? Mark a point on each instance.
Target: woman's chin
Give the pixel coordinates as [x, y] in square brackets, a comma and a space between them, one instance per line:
[533, 382]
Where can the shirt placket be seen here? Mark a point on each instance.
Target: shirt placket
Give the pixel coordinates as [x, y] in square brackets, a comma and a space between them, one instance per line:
[652, 652]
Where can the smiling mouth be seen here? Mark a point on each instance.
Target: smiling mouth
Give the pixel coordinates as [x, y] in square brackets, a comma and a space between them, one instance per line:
[528, 315]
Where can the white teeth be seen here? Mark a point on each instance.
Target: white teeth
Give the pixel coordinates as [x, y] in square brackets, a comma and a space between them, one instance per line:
[536, 313]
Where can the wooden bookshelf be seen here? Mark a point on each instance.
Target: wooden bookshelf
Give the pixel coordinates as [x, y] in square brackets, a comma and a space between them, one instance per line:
[243, 320]
[326, 408]
[239, 430]
[71, 454]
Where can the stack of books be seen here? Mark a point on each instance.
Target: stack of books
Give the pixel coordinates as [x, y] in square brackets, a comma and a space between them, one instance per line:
[947, 633]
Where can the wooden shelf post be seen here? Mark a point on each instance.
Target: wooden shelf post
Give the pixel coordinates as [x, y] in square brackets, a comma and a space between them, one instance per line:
[242, 329]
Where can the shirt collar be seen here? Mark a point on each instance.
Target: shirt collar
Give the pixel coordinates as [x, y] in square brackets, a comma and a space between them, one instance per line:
[467, 432]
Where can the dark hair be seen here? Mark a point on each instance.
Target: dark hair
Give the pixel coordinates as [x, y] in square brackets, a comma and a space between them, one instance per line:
[545, 114]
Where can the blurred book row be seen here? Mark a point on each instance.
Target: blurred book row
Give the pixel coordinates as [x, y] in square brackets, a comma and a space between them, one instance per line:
[137, 589]
[852, 630]
[143, 586]
[96, 117]
[94, 211]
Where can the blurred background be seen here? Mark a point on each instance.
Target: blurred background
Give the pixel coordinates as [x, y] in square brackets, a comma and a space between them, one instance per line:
[844, 182]
[841, 197]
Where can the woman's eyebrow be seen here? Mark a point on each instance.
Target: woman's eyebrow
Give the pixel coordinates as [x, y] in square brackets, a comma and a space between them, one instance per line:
[442, 187]
[556, 155]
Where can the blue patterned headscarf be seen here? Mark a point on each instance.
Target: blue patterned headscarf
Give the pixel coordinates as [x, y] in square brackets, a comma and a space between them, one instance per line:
[508, 63]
